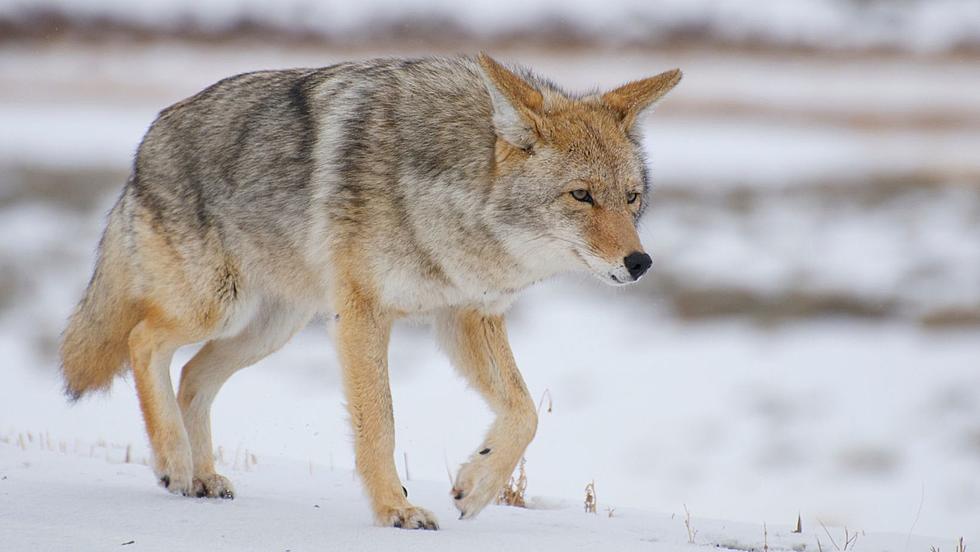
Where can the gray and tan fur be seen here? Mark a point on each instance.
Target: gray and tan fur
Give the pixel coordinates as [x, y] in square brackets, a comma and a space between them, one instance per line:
[367, 192]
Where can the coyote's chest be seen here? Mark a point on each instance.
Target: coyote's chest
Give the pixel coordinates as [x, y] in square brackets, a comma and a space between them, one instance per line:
[410, 294]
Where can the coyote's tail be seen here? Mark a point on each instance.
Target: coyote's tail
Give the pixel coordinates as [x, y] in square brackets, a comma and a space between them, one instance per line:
[94, 346]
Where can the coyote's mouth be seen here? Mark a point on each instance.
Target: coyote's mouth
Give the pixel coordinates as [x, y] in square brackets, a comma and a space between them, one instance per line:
[620, 281]
[606, 272]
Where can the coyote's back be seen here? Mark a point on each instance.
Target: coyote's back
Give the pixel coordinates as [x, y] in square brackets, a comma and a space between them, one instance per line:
[263, 170]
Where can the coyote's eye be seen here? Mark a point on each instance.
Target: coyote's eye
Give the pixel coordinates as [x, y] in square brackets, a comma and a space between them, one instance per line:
[632, 197]
[582, 195]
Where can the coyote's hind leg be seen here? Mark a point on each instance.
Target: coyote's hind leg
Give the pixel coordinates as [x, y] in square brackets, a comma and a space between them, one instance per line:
[203, 376]
[152, 344]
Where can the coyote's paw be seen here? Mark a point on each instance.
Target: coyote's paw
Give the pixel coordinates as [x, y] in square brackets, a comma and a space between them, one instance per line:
[177, 483]
[176, 474]
[407, 517]
[213, 486]
[478, 482]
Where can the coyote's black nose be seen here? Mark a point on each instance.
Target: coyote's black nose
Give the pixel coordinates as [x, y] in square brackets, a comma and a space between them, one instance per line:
[637, 263]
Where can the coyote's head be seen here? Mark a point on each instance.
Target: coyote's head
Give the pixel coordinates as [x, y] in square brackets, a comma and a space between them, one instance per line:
[570, 177]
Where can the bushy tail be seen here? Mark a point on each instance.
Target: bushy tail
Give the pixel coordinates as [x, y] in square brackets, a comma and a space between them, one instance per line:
[94, 346]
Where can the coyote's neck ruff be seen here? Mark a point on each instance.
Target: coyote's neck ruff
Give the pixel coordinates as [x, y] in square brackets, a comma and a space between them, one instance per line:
[367, 191]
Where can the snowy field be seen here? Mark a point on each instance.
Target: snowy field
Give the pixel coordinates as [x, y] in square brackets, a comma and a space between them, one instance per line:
[872, 428]
[295, 506]
[808, 342]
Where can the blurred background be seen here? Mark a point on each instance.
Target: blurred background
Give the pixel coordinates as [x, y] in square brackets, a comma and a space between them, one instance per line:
[808, 341]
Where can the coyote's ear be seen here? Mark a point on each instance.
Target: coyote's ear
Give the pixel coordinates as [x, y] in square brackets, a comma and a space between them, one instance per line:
[629, 100]
[516, 104]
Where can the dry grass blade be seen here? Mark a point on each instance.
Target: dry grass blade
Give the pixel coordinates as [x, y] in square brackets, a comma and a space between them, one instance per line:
[449, 472]
[960, 547]
[850, 539]
[545, 395]
[590, 499]
[513, 493]
[692, 533]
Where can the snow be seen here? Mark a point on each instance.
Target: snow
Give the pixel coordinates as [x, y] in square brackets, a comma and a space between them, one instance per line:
[33, 133]
[281, 506]
[102, 503]
[846, 425]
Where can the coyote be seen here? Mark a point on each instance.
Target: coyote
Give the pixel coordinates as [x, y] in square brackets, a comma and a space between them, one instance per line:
[363, 192]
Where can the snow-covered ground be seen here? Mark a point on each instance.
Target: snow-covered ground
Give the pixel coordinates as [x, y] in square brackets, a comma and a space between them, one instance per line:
[832, 206]
[873, 428]
[870, 427]
[100, 503]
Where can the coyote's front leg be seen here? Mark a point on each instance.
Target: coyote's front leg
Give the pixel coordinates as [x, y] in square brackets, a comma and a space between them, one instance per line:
[477, 343]
[362, 342]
